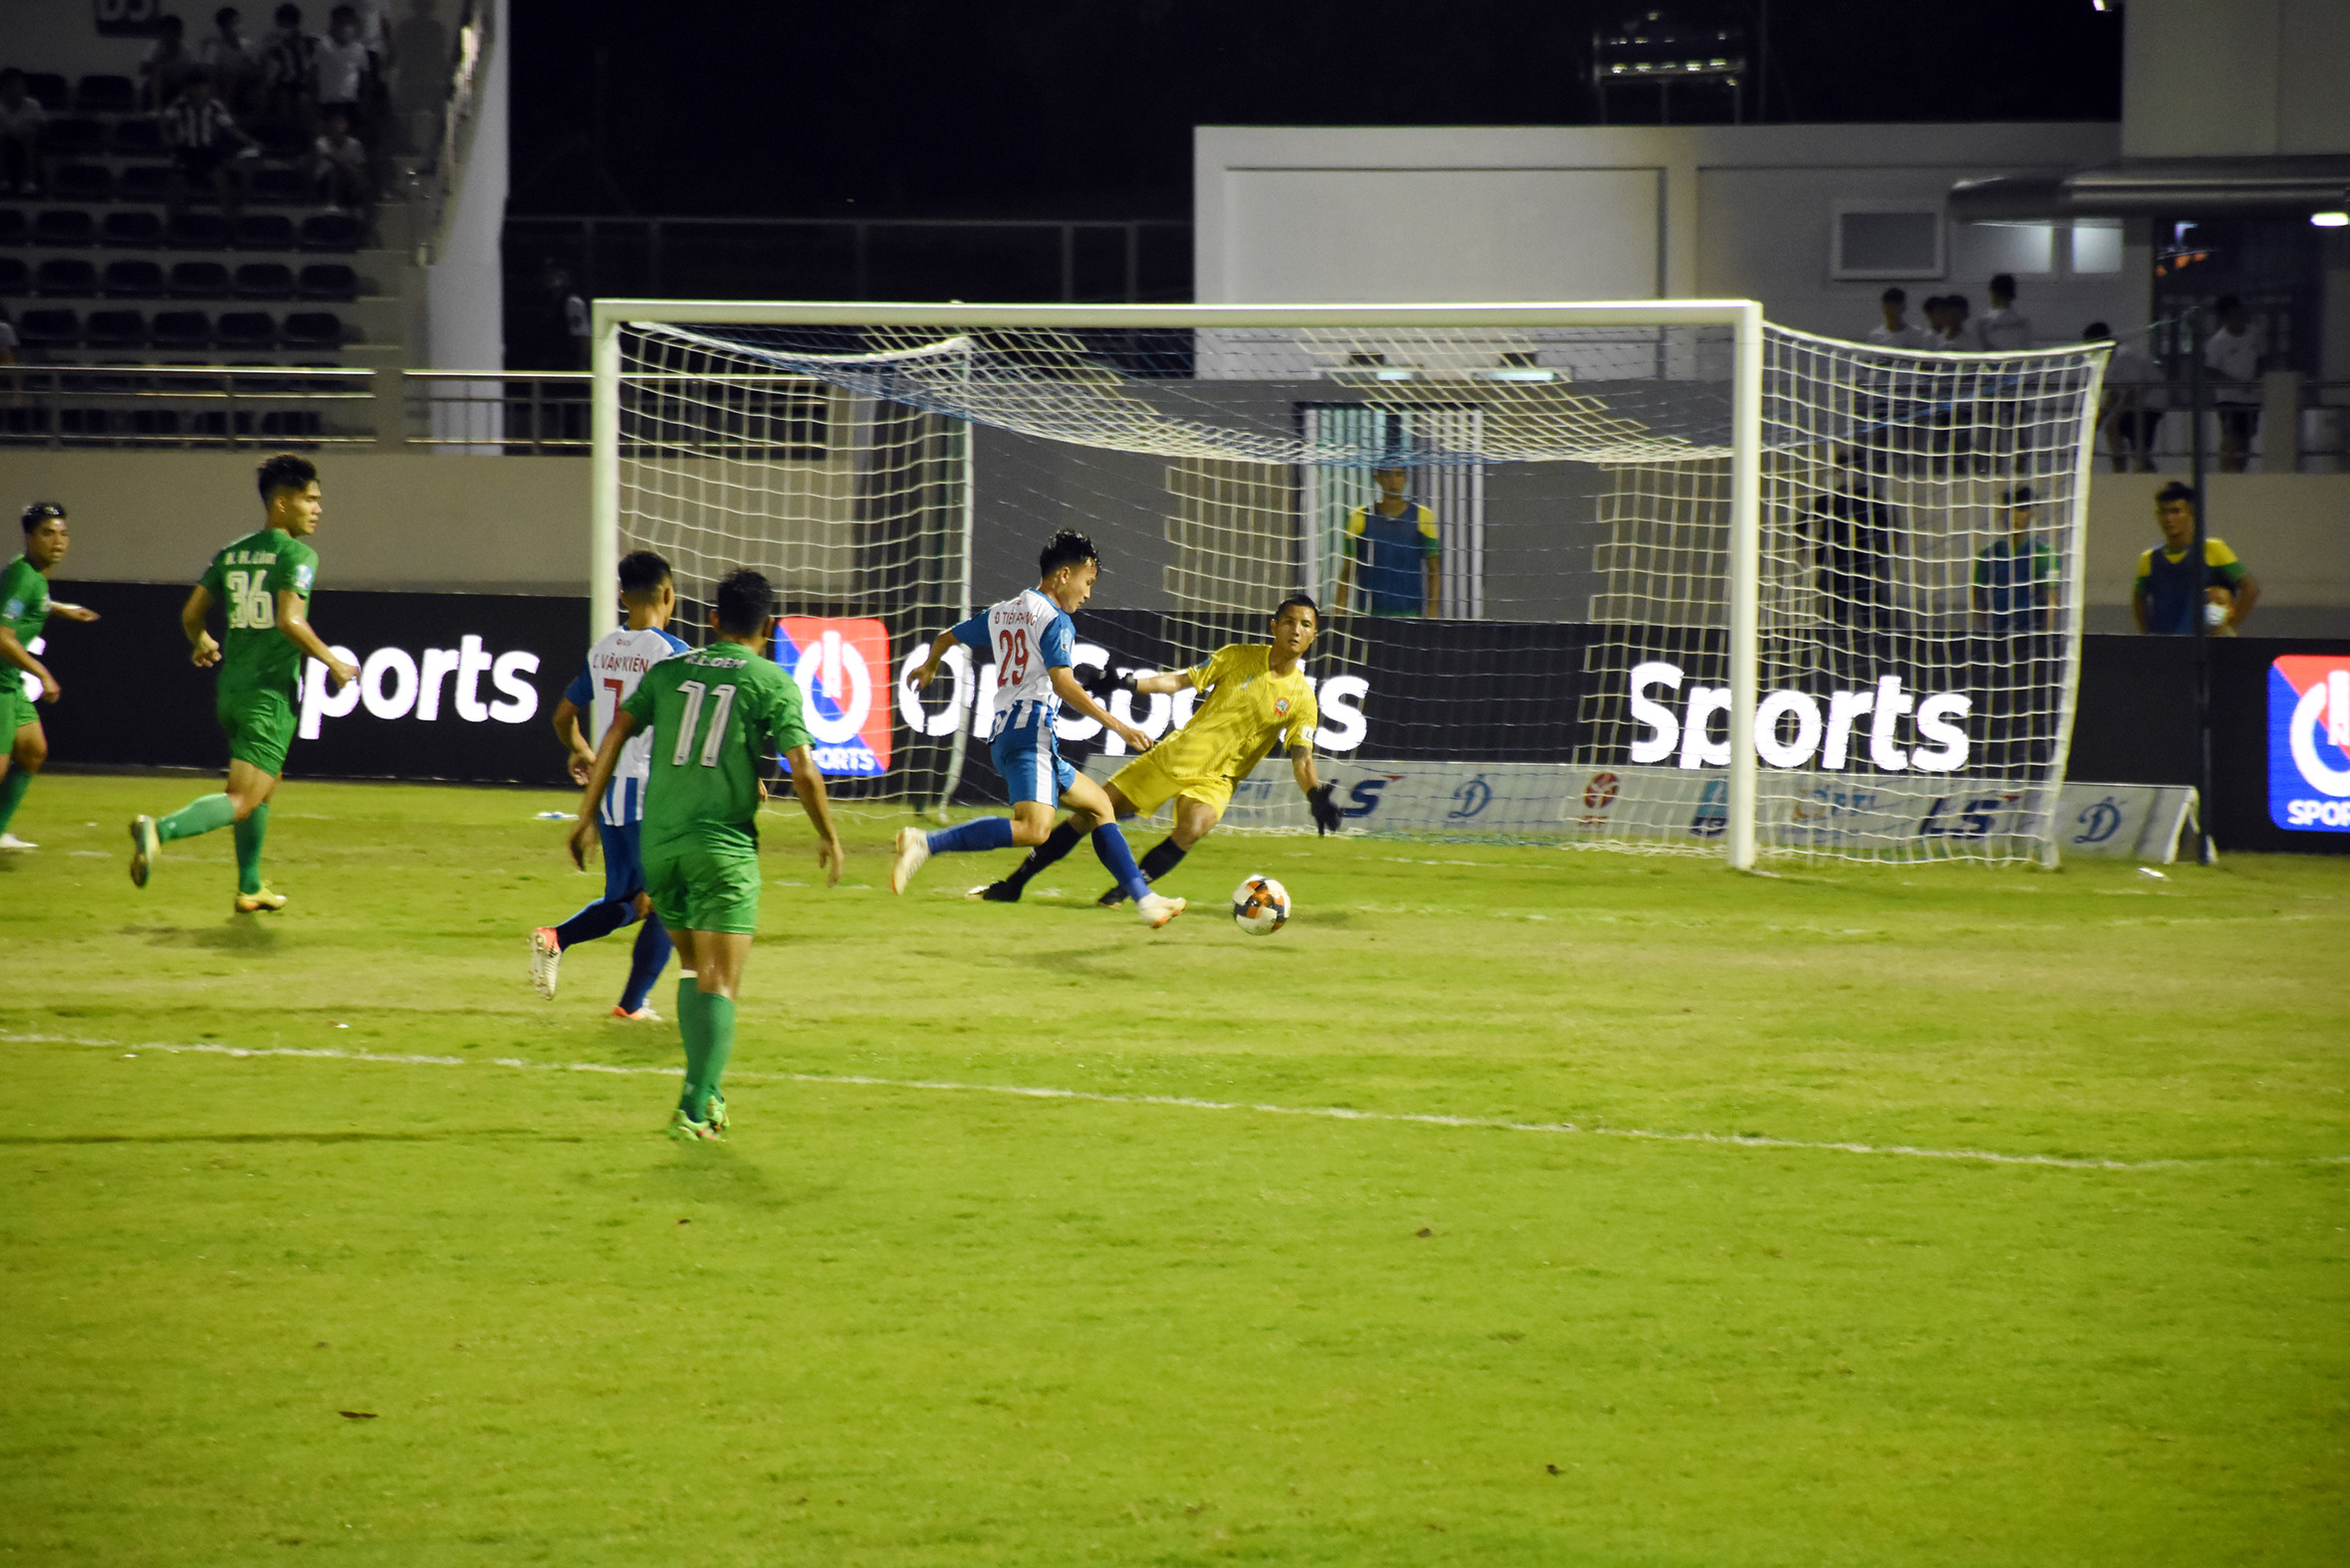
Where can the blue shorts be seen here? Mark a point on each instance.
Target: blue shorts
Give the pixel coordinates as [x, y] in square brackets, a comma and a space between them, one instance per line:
[624, 863]
[1030, 761]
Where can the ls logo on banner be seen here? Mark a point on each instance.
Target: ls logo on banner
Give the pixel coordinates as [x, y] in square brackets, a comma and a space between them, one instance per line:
[841, 666]
[2309, 743]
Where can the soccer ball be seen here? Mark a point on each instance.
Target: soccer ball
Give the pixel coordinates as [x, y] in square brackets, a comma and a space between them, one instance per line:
[1260, 905]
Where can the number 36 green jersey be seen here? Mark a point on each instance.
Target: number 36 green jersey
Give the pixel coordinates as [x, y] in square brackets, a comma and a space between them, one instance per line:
[245, 580]
[716, 716]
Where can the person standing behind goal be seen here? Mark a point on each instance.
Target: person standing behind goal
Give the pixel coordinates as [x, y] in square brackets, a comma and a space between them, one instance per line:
[1393, 552]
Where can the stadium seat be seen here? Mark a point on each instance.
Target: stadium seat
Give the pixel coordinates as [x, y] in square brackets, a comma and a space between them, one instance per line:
[135, 280]
[64, 277]
[47, 88]
[218, 423]
[13, 227]
[279, 186]
[246, 329]
[72, 138]
[81, 182]
[131, 231]
[313, 330]
[292, 424]
[199, 230]
[264, 281]
[143, 182]
[65, 227]
[115, 329]
[48, 328]
[15, 278]
[327, 281]
[106, 95]
[139, 137]
[329, 231]
[265, 231]
[189, 332]
[199, 280]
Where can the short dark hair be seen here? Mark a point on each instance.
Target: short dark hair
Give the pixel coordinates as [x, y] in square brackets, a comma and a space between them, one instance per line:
[171, 23]
[2176, 489]
[2021, 495]
[641, 571]
[1933, 302]
[226, 13]
[1304, 599]
[197, 76]
[1957, 301]
[2096, 333]
[2004, 284]
[745, 599]
[1893, 296]
[2226, 304]
[283, 471]
[40, 512]
[342, 11]
[1066, 549]
[289, 13]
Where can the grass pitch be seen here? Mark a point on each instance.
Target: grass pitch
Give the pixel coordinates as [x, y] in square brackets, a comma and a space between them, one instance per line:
[280, 1307]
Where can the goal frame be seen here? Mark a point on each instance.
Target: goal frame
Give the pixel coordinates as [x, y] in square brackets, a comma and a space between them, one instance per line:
[1744, 319]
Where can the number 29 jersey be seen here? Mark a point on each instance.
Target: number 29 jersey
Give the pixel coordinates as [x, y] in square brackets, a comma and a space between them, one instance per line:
[1029, 638]
[614, 667]
[245, 579]
[714, 715]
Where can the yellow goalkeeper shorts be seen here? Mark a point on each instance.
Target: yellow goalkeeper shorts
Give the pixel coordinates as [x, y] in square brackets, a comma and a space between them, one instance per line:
[1148, 785]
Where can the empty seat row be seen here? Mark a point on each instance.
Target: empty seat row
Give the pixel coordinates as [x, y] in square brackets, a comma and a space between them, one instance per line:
[98, 95]
[141, 136]
[32, 421]
[68, 229]
[95, 182]
[183, 330]
[69, 277]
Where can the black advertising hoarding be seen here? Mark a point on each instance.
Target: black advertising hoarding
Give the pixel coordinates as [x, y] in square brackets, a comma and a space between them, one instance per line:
[463, 688]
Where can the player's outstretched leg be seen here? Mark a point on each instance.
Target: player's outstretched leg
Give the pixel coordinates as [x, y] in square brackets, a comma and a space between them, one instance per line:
[1058, 843]
[600, 918]
[1160, 859]
[645, 962]
[1110, 845]
[914, 846]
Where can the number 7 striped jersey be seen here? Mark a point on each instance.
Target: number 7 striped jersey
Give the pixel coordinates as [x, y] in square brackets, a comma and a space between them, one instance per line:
[614, 667]
[1028, 637]
[714, 715]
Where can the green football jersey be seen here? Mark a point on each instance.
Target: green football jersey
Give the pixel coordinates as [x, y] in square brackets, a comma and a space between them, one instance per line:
[245, 579]
[24, 600]
[716, 716]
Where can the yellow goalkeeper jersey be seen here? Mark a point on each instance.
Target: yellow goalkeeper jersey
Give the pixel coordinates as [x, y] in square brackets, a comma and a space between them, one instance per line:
[1245, 710]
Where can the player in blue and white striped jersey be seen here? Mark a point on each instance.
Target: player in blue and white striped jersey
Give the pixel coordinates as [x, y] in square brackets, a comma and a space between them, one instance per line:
[614, 666]
[1031, 638]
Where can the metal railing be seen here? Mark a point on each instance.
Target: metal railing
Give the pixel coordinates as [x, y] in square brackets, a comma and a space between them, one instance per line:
[2148, 421]
[186, 406]
[537, 415]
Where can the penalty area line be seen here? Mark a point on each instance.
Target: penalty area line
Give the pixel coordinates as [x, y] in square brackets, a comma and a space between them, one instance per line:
[1190, 1102]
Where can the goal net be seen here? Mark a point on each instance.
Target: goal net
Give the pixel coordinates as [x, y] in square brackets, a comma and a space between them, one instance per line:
[1565, 554]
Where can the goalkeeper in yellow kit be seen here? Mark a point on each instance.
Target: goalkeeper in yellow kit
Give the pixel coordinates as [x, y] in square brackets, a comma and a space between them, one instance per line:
[1254, 694]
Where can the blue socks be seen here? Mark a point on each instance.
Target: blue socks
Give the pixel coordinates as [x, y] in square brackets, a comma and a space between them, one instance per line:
[645, 965]
[981, 833]
[1110, 845]
[600, 918]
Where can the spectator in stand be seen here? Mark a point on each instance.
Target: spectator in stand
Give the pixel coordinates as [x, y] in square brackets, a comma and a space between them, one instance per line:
[202, 138]
[164, 69]
[1895, 332]
[1958, 333]
[8, 343]
[289, 73]
[234, 61]
[22, 121]
[568, 311]
[2231, 355]
[2001, 328]
[339, 164]
[343, 65]
[2163, 598]
[1394, 550]
[2131, 410]
[2016, 577]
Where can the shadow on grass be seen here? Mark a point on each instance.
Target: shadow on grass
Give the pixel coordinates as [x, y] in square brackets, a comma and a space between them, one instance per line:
[240, 934]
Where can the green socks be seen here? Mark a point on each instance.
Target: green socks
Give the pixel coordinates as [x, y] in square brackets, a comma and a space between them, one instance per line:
[12, 791]
[249, 833]
[706, 1020]
[205, 814]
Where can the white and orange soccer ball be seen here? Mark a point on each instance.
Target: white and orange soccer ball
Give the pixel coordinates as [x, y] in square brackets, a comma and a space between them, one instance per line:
[1260, 905]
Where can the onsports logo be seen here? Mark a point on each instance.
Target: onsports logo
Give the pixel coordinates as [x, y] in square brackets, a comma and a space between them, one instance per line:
[839, 664]
[1793, 731]
[394, 684]
[2309, 743]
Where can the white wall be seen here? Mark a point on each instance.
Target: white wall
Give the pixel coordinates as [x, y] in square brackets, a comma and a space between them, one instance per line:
[465, 287]
[63, 35]
[1459, 214]
[2235, 77]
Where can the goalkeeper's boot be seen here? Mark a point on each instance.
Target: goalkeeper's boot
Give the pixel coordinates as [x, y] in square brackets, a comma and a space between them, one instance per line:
[913, 848]
[546, 960]
[1111, 899]
[262, 902]
[9, 840]
[1156, 911]
[145, 848]
[713, 1115]
[995, 893]
[685, 1130]
[643, 1014]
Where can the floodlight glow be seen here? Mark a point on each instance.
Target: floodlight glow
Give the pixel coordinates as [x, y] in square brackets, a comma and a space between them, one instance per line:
[2330, 220]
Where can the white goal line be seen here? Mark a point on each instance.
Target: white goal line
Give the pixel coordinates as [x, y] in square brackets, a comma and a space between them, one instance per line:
[1188, 1103]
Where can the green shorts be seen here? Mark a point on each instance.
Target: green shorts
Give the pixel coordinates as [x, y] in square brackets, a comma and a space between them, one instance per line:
[16, 708]
[699, 886]
[259, 725]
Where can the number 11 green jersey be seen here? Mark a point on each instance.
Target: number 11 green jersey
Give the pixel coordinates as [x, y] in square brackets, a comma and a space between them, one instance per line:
[245, 580]
[716, 716]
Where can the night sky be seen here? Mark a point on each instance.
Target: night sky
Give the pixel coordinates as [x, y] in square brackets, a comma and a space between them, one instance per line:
[1085, 107]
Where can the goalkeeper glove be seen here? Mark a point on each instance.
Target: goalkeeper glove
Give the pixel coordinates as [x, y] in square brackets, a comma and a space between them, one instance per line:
[1099, 684]
[1327, 815]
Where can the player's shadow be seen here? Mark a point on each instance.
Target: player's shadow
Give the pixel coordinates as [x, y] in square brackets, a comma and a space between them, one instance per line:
[236, 936]
[720, 1175]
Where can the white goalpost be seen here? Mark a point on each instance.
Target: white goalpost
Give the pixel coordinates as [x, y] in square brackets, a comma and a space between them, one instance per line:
[1651, 575]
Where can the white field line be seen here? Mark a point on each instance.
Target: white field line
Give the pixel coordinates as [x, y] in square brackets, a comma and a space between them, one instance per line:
[1190, 1102]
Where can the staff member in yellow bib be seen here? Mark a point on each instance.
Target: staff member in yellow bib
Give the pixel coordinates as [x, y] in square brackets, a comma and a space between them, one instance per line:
[1254, 694]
